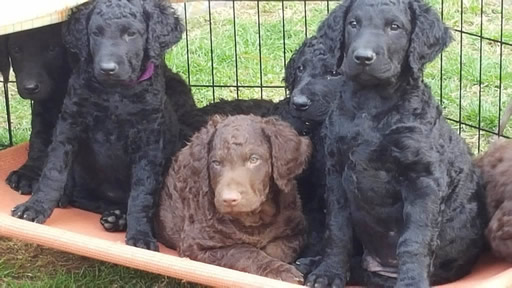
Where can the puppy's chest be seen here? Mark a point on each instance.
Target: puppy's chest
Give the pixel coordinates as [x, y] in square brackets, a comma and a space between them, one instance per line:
[370, 172]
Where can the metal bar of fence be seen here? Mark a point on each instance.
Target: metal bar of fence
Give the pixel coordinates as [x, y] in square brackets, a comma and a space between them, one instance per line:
[480, 74]
[211, 48]
[236, 51]
[460, 63]
[259, 49]
[501, 67]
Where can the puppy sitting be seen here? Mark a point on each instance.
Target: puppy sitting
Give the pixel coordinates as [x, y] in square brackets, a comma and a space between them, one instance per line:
[231, 200]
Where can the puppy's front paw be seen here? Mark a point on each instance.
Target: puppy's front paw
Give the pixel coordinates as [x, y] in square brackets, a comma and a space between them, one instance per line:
[113, 221]
[326, 277]
[288, 273]
[21, 182]
[32, 211]
[143, 241]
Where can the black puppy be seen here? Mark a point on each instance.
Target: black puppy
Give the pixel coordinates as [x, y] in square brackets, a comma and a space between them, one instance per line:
[397, 173]
[313, 84]
[117, 130]
[40, 62]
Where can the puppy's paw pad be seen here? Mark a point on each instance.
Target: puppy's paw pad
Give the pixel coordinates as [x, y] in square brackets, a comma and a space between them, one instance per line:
[114, 221]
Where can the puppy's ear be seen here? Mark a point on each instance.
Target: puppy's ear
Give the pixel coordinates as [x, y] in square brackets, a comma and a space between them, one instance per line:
[191, 163]
[290, 152]
[332, 30]
[5, 64]
[75, 31]
[429, 36]
[290, 70]
[164, 28]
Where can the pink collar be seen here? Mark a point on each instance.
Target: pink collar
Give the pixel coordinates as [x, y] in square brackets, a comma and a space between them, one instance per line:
[150, 69]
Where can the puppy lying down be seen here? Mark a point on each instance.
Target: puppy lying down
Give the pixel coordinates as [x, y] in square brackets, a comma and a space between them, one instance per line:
[230, 198]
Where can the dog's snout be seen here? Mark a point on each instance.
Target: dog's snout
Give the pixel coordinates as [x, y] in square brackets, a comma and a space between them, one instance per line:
[364, 56]
[301, 103]
[31, 87]
[231, 198]
[108, 68]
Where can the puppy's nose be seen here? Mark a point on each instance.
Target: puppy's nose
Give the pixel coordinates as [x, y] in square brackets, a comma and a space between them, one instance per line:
[364, 56]
[300, 102]
[108, 68]
[231, 198]
[31, 87]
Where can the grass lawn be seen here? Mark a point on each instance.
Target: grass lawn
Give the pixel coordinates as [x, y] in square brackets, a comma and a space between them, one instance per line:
[467, 86]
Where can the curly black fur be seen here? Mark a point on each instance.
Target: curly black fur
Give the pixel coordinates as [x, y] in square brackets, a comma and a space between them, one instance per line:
[113, 127]
[39, 60]
[397, 174]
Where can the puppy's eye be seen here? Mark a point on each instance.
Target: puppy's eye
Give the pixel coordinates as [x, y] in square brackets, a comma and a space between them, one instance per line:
[254, 159]
[131, 34]
[352, 24]
[216, 163]
[334, 73]
[394, 27]
[96, 34]
[300, 69]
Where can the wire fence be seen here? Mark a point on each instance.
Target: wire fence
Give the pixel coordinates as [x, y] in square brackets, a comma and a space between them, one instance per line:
[238, 49]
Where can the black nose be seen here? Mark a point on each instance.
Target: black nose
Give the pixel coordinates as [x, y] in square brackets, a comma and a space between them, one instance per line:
[108, 68]
[31, 87]
[300, 103]
[364, 56]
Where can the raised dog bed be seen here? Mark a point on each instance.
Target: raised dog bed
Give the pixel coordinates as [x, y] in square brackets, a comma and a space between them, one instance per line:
[79, 232]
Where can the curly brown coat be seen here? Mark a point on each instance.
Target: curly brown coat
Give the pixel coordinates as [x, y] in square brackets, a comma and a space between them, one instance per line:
[231, 199]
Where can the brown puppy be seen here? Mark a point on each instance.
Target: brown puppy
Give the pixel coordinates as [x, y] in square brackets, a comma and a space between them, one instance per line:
[496, 166]
[230, 198]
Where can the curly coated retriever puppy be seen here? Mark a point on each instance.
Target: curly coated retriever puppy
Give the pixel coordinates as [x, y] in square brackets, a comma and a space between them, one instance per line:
[313, 83]
[231, 198]
[117, 130]
[397, 173]
[39, 61]
[496, 167]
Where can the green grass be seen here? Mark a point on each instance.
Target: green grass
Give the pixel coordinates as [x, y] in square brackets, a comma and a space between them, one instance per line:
[28, 265]
[477, 107]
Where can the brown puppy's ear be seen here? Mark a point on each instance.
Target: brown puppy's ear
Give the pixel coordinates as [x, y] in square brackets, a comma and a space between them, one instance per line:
[290, 152]
[190, 165]
[429, 36]
[5, 64]
[75, 30]
[164, 27]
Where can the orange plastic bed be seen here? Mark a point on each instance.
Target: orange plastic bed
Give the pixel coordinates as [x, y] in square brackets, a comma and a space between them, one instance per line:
[79, 232]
